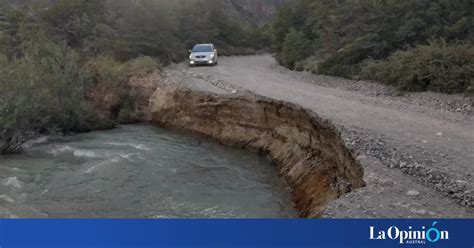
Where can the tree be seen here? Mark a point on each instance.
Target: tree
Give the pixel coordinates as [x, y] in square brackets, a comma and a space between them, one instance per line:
[74, 21]
[295, 48]
[13, 25]
[342, 35]
[42, 88]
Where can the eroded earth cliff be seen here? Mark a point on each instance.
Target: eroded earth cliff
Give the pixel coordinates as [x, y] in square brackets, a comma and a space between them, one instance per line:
[306, 149]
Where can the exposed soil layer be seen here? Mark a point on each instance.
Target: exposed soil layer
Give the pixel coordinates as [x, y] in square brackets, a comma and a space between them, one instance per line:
[307, 149]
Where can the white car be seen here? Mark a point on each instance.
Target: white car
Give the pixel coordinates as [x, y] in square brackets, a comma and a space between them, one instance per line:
[203, 54]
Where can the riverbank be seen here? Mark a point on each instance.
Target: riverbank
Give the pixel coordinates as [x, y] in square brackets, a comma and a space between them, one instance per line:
[104, 107]
[307, 150]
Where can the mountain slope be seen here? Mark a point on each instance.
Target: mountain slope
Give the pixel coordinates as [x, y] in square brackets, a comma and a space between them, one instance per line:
[257, 11]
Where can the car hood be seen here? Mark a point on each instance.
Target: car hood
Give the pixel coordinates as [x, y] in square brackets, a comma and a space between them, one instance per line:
[207, 54]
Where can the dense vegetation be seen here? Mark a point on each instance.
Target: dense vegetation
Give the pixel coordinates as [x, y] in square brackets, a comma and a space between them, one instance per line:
[54, 52]
[413, 44]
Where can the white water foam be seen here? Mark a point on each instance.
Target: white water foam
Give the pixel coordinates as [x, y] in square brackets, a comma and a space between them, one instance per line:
[136, 146]
[83, 153]
[76, 152]
[6, 198]
[161, 216]
[12, 181]
[31, 143]
[127, 156]
[60, 150]
[106, 162]
[132, 157]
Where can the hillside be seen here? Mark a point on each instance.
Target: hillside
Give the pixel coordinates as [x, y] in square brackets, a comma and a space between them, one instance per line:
[253, 11]
[78, 51]
[414, 45]
[258, 11]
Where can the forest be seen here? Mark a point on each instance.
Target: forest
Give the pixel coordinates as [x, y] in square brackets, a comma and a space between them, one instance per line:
[414, 45]
[53, 52]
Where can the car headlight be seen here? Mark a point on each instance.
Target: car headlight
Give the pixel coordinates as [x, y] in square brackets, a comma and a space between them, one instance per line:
[212, 56]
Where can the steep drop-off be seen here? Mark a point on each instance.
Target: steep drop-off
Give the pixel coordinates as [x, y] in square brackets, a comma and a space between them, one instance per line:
[306, 149]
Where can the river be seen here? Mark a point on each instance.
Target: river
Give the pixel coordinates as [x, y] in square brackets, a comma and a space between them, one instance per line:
[139, 171]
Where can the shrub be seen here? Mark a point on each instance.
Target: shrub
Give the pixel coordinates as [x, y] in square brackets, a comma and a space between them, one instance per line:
[343, 34]
[345, 62]
[43, 88]
[439, 67]
[111, 91]
[114, 75]
[141, 65]
[295, 48]
[106, 71]
[92, 121]
[311, 64]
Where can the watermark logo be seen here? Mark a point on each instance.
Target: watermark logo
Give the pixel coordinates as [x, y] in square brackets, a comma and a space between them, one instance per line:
[420, 235]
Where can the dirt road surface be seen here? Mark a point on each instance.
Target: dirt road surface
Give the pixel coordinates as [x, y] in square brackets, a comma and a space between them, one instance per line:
[417, 149]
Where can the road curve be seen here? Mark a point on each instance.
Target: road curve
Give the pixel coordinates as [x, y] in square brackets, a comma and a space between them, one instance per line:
[417, 143]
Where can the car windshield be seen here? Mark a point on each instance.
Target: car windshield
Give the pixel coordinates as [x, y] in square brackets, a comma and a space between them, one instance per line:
[202, 49]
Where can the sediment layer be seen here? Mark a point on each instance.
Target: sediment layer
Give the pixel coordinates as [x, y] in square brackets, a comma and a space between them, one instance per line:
[307, 150]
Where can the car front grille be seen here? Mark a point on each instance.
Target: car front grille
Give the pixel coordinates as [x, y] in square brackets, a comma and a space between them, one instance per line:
[200, 57]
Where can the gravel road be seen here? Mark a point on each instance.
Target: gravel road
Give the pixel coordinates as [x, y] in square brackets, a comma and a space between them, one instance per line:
[417, 149]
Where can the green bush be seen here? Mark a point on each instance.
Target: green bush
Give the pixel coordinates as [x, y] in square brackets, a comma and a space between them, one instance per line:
[92, 121]
[141, 66]
[345, 62]
[111, 78]
[43, 88]
[46, 87]
[341, 35]
[439, 67]
[113, 75]
[295, 48]
[311, 64]
[73, 21]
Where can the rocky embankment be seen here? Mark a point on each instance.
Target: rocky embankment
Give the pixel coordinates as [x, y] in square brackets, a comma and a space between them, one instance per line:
[307, 150]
